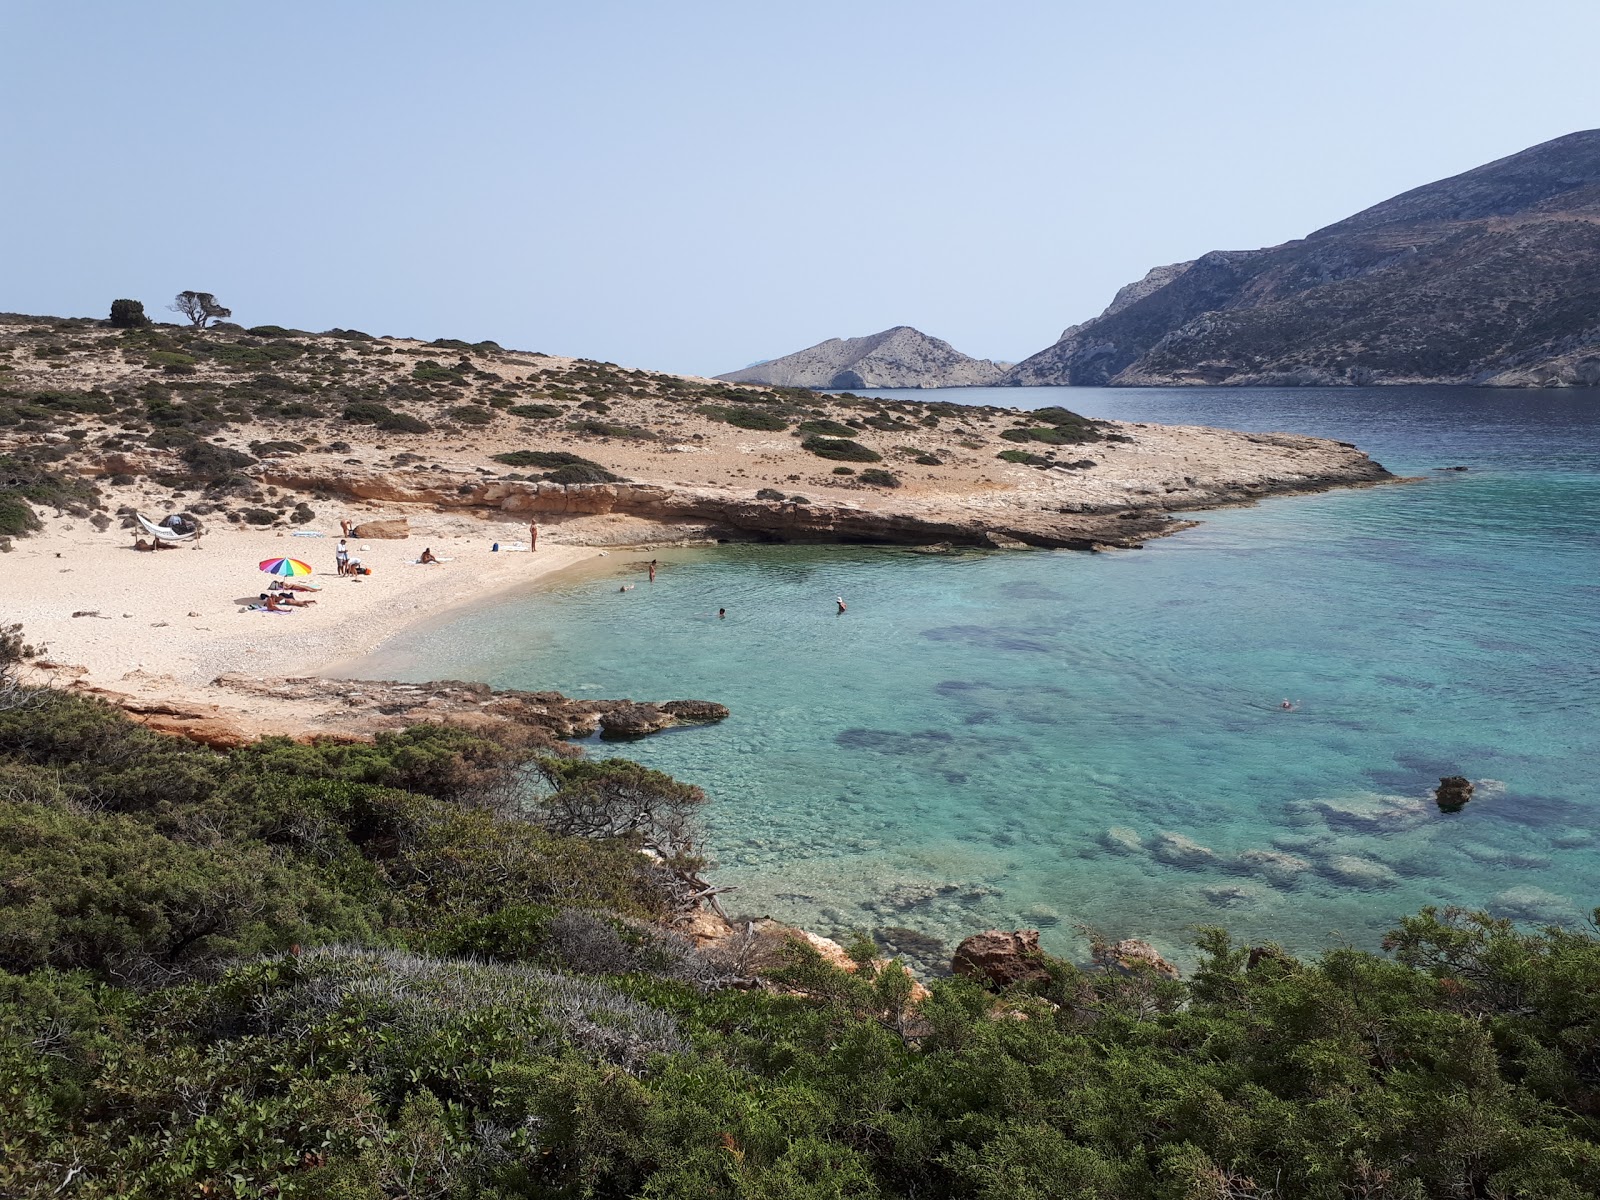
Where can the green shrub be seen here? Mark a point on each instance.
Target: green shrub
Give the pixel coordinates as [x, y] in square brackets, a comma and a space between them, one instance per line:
[170, 358]
[606, 429]
[470, 414]
[399, 422]
[840, 448]
[274, 331]
[542, 458]
[427, 372]
[928, 460]
[1023, 457]
[744, 418]
[128, 314]
[582, 473]
[259, 516]
[880, 478]
[368, 412]
[17, 518]
[535, 412]
[825, 428]
[844, 470]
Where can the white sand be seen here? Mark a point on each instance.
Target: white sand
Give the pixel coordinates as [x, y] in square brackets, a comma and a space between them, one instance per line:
[171, 621]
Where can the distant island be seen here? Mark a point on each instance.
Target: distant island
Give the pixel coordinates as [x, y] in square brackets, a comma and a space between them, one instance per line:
[1488, 278]
[901, 357]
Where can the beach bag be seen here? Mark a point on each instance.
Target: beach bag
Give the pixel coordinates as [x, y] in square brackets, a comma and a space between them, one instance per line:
[494, 547]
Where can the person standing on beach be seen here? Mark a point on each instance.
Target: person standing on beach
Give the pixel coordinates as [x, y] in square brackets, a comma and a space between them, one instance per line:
[344, 527]
[533, 537]
[341, 556]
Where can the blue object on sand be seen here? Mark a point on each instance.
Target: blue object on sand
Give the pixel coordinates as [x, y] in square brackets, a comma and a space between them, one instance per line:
[494, 547]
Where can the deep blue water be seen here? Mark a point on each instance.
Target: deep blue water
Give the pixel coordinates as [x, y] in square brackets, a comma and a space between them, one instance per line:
[1052, 739]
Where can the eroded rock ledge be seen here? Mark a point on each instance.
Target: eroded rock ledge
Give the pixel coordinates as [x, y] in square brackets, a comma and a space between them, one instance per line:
[357, 709]
[1032, 518]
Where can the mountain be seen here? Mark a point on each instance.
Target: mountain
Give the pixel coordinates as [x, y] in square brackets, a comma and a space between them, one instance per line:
[901, 357]
[1489, 277]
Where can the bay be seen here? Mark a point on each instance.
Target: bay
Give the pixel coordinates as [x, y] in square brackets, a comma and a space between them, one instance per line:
[1095, 741]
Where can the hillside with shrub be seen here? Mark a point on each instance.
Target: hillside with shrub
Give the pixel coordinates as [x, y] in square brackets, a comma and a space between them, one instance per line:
[440, 964]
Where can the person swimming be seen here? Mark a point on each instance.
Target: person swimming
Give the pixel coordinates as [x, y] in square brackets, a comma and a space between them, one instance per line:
[840, 601]
[722, 612]
[1288, 705]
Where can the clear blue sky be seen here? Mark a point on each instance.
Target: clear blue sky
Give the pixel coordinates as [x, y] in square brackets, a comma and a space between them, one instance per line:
[695, 185]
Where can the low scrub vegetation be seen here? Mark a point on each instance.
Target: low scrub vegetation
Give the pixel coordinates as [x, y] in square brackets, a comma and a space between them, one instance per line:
[841, 449]
[435, 965]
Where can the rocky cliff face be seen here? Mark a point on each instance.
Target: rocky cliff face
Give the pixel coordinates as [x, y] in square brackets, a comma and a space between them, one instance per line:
[901, 357]
[1491, 277]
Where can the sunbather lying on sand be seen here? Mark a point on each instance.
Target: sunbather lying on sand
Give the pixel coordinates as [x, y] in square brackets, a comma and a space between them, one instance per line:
[273, 603]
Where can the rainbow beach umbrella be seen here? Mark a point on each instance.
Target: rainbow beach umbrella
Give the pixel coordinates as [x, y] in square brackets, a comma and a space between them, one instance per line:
[285, 566]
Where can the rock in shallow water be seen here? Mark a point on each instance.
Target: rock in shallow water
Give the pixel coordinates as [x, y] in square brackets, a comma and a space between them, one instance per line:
[1453, 793]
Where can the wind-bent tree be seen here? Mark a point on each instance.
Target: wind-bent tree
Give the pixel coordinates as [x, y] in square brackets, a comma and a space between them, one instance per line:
[200, 308]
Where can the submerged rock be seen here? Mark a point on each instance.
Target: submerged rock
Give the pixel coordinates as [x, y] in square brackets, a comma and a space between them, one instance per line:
[1121, 840]
[1276, 867]
[1359, 872]
[1176, 850]
[1001, 959]
[1453, 793]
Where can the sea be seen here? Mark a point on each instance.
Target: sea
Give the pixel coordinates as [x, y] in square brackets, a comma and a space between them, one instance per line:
[1095, 745]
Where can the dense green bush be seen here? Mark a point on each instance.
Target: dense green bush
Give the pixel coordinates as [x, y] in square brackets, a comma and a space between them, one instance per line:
[128, 314]
[825, 428]
[536, 412]
[471, 414]
[744, 418]
[840, 448]
[581, 473]
[542, 458]
[877, 477]
[1023, 457]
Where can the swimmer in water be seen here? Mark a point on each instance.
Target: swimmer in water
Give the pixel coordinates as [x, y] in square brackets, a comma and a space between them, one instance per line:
[627, 587]
[1288, 705]
[722, 612]
[840, 601]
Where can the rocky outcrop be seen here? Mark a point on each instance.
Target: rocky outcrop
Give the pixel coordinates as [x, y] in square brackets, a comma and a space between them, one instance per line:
[1001, 959]
[357, 709]
[393, 529]
[1490, 277]
[1120, 519]
[1453, 793]
[901, 357]
[1133, 957]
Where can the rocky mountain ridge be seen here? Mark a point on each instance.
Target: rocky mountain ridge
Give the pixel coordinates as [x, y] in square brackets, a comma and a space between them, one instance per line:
[901, 357]
[1491, 277]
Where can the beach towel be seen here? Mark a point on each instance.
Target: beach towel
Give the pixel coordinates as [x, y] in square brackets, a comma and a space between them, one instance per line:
[308, 533]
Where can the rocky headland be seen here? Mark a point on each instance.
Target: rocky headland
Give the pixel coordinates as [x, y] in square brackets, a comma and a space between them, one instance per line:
[901, 357]
[1491, 277]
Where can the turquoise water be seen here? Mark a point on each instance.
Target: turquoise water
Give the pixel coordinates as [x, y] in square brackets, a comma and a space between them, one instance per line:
[1059, 739]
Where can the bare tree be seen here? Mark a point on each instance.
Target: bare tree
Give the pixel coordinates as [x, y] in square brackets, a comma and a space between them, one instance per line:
[199, 308]
[13, 652]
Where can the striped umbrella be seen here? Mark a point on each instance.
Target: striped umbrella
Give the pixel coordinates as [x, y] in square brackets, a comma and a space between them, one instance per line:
[285, 566]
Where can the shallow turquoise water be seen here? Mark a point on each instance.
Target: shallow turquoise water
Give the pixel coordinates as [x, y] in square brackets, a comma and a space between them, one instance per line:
[1055, 738]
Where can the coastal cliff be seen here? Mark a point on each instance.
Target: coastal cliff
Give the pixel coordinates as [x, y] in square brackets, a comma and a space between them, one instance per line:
[901, 357]
[1491, 277]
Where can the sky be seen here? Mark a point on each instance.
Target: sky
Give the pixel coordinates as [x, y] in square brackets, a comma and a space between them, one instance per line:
[696, 185]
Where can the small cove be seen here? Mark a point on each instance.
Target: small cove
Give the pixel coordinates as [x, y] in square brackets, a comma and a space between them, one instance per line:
[1053, 738]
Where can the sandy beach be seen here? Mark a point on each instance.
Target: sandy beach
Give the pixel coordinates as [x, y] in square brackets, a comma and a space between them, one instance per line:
[158, 628]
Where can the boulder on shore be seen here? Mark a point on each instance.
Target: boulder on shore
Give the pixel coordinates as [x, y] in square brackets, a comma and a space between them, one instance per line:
[692, 712]
[633, 720]
[1001, 959]
[1132, 956]
[1453, 793]
[390, 530]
